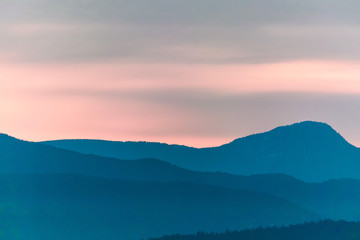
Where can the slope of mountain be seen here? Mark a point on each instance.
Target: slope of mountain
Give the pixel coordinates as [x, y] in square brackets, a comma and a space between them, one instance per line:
[323, 230]
[338, 199]
[62, 206]
[310, 151]
[17, 156]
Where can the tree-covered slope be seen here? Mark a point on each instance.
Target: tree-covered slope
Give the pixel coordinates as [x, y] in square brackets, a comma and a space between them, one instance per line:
[323, 230]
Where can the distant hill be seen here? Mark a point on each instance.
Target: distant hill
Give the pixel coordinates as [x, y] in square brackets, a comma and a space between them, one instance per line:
[17, 156]
[58, 206]
[310, 151]
[337, 199]
[324, 230]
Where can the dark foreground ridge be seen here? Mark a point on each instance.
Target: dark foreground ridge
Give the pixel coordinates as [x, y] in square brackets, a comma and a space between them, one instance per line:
[323, 230]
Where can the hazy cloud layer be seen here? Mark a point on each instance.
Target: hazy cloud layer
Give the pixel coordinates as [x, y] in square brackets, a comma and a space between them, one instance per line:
[200, 31]
[203, 113]
[188, 116]
[179, 71]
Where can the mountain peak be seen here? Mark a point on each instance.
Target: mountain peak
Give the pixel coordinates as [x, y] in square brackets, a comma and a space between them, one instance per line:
[307, 127]
[309, 123]
[310, 129]
[311, 132]
[309, 150]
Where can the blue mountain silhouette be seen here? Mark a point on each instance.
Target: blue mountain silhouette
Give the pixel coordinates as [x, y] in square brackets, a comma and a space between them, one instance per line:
[47, 191]
[310, 151]
[337, 199]
[68, 206]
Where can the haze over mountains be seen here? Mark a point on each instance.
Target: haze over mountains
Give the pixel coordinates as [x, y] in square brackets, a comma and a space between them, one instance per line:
[338, 199]
[87, 196]
[120, 199]
[77, 207]
[310, 151]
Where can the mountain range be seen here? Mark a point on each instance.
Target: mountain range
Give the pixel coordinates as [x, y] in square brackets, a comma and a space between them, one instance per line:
[65, 191]
[310, 151]
[43, 187]
[67, 206]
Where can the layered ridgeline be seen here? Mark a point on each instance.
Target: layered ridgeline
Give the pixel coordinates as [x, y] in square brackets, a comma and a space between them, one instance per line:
[324, 230]
[310, 151]
[44, 196]
[336, 199]
[61, 207]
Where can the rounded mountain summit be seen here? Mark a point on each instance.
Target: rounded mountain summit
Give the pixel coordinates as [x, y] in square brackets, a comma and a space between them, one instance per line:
[310, 151]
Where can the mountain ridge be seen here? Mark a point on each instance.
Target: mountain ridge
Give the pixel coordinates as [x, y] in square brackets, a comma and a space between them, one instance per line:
[337, 199]
[68, 206]
[309, 150]
[19, 157]
[304, 125]
[307, 122]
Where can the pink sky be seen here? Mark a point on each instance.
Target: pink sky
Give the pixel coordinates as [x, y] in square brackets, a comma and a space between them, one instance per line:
[111, 100]
[199, 73]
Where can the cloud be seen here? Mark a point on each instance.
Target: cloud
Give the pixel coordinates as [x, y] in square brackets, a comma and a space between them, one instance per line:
[202, 31]
[200, 105]
[192, 70]
[205, 114]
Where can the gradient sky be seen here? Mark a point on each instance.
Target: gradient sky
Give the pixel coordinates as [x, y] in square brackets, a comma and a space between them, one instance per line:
[194, 72]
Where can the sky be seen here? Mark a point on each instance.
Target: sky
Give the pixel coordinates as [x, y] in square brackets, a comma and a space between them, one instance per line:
[193, 72]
